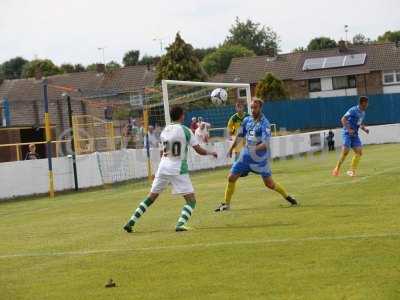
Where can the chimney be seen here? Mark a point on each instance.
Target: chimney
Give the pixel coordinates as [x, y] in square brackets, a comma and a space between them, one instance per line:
[342, 46]
[100, 68]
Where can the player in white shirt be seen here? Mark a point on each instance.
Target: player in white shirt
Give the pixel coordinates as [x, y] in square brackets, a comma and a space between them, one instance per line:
[201, 132]
[176, 139]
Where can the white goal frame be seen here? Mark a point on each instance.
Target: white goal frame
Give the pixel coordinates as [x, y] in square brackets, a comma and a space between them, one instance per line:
[165, 83]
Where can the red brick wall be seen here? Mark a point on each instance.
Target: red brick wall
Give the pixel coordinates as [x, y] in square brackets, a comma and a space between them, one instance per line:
[297, 89]
[369, 84]
[8, 136]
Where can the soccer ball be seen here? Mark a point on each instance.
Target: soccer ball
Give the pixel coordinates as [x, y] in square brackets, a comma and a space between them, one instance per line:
[219, 96]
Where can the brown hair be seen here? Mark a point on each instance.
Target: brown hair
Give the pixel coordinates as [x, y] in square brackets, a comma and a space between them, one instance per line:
[363, 99]
[257, 100]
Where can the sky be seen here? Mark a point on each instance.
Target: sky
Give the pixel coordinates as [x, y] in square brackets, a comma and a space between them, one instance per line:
[72, 31]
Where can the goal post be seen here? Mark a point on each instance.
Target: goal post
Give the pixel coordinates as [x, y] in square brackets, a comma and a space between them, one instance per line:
[166, 83]
[210, 119]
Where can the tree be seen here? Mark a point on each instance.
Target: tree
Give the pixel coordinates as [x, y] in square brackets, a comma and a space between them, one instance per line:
[200, 53]
[67, 68]
[79, 68]
[219, 61]
[149, 60]
[389, 36]
[12, 69]
[270, 88]
[131, 58]
[321, 43]
[361, 39]
[180, 63]
[112, 65]
[92, 67]
[253, 36]
[43, 67]
[299, 49]
[2, 77]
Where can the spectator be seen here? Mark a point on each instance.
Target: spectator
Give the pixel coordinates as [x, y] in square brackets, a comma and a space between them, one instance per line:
[201, 132]
[331, 141]
[152, 138]
[31, 153]
[157, 131]
[194, 125]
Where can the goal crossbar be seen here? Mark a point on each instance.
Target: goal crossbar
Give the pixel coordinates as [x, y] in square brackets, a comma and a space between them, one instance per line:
[165, 84]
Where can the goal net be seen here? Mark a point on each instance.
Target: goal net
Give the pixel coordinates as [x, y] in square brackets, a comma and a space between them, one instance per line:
[142, 116]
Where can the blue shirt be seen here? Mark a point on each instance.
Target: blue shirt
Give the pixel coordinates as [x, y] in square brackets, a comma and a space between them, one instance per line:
[255, 133]
[355, 117]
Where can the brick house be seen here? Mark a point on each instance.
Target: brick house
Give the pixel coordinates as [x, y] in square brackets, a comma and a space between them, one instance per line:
[25, 102]
[346, 70]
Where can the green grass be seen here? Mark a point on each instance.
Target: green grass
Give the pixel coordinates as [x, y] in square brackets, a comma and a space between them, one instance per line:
[342, 243]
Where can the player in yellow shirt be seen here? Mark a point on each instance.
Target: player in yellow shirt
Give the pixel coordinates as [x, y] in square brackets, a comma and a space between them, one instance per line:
[234, 124]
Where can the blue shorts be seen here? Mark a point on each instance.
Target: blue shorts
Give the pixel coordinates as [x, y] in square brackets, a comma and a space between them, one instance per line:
[243, 169]
[351, 141]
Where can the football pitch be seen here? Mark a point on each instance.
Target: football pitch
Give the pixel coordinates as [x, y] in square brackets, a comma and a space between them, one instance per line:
[343, 242]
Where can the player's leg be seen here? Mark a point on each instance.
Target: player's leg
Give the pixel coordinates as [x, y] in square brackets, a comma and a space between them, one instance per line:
[182, 184]
[275, 186]
[229, 190]
[356, 158]
[159, 183]
[140, 210]
[186, 212]
[345, 151]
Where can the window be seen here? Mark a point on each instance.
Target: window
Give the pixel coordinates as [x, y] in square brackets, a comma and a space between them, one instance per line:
[391, 77]
[314, 85]
[344, 82]
[241, 93]
[388, 78]
[352, 81]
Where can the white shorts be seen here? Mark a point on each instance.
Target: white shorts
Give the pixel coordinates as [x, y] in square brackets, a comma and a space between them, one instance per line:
[181, 184]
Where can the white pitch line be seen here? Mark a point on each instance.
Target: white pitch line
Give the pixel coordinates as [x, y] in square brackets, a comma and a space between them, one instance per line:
[203, 245]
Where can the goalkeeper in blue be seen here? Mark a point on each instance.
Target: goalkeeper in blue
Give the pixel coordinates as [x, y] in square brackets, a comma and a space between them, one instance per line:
[352, 121]
[254, 156]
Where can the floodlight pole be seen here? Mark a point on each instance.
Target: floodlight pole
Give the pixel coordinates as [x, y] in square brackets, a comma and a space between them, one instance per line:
[68, 97]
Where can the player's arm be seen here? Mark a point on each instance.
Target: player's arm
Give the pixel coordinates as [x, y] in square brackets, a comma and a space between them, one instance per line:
[346, 124]
[238, 138]
[364, 128]
[201, 151]
[231, 127]
[236, 141]
[345, 121]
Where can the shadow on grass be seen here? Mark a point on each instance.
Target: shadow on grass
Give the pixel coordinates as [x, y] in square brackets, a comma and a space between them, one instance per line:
[244, 226]
[337, 205]
[201, 228]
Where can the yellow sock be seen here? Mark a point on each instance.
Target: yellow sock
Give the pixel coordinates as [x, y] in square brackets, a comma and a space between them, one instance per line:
[340, 161]
[355, 161]
[229, 190]
[281, 190]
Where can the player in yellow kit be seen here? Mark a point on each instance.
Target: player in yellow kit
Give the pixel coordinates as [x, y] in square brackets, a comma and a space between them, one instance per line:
[234, 124]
